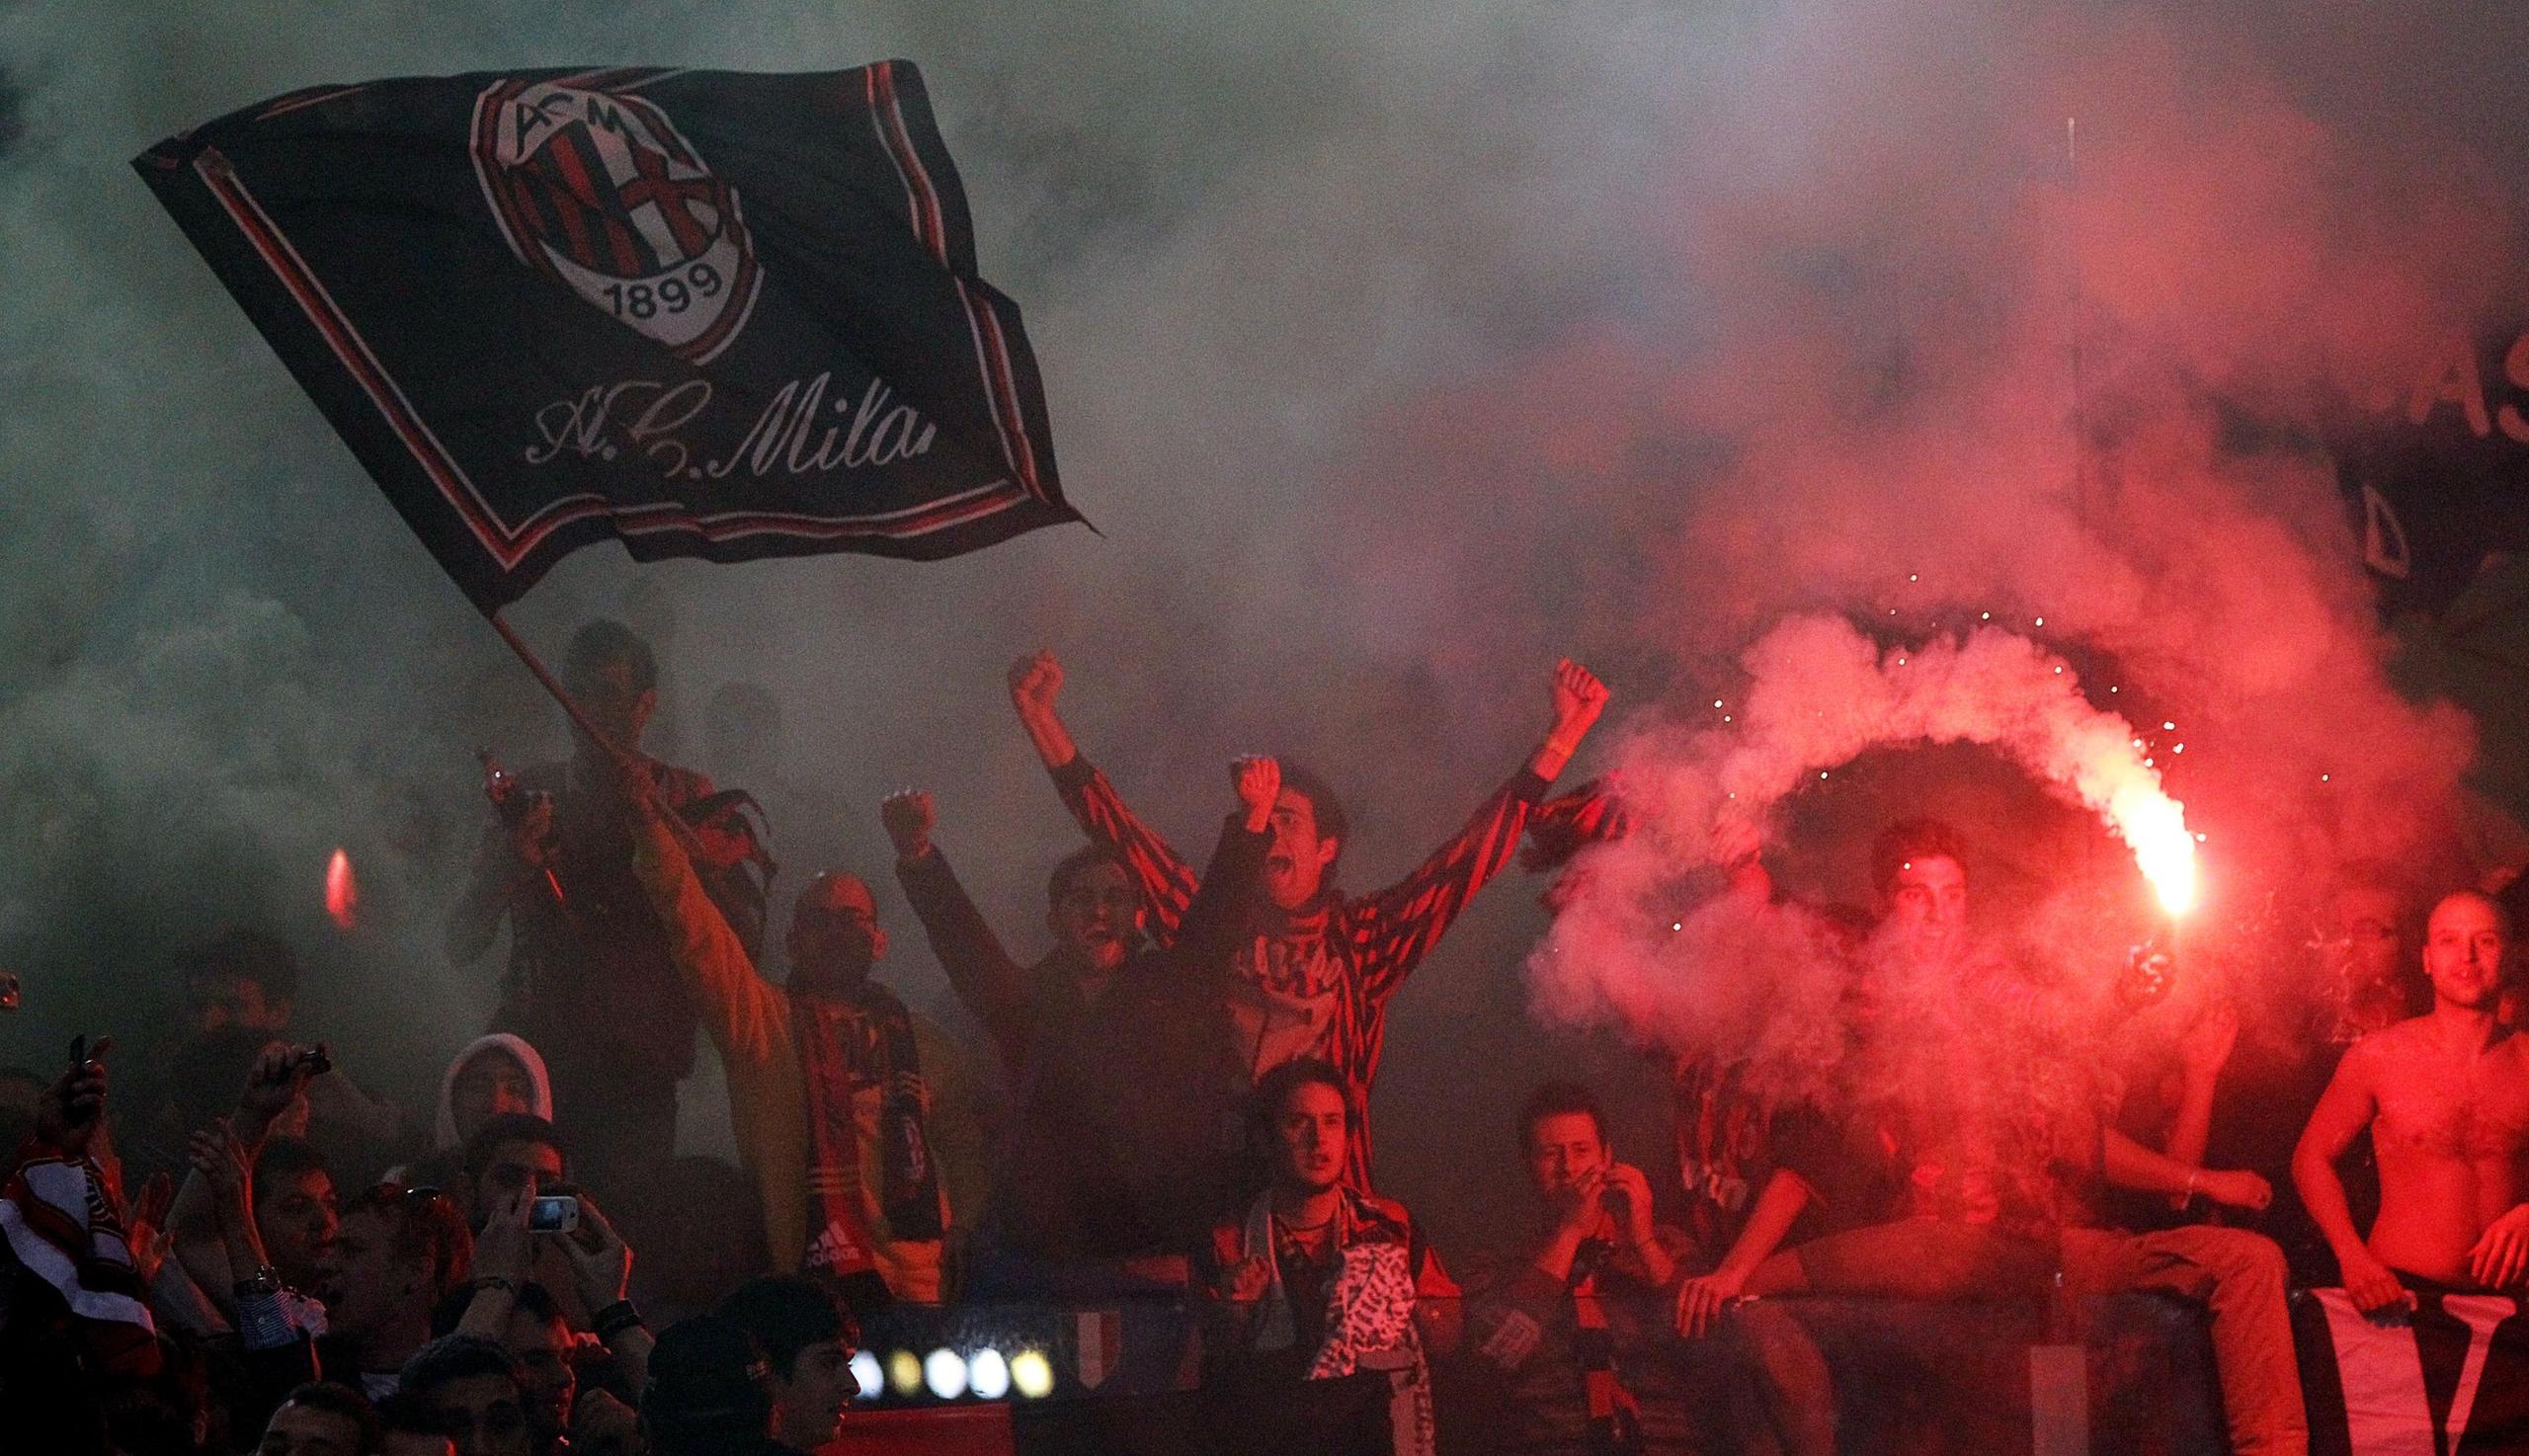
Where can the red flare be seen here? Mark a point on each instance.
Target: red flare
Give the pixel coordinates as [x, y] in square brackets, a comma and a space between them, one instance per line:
[342, 891]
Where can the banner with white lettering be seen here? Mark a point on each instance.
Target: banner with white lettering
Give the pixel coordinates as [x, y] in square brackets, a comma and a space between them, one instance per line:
[2449, 1378]
[2437, 475]
[703, 312]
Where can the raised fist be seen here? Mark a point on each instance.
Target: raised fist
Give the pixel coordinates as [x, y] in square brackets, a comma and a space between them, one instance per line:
[1257, 783]
[909, 816]
[1578, 698]
[1036, 683]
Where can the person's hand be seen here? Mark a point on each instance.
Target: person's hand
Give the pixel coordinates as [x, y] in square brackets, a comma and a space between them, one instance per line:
[74, 1106]
[1257, 783]
[2502, 1252]
[2237, 1191]
[1701, 1300]
[145, 1230]
[1577, 1208]
[1035, 686]
[227, 1167]
[602, 1425]
[2370, 1284]
[1579, 697]
[601, 1262]
[505, 1249]
[909, 817]
[530, 837]
[1627, 1180]
[2206, 1046]
[912, 1085]
[281, 1072]
[1246, 1281]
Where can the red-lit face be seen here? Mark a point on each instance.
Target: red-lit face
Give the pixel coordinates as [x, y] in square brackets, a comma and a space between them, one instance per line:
[297, 1224]
[370, 1285]
[1296, 861]
[1928, 906]
[1099, 917]
[483, 1416]
[2365, 927]
[225, 1002]
[1308, 1134]
[304, 1431]
[605, 693]
[1562, 1147]
[490, 1085]
[835, 938]
[808, 1404]
[542, 1350]
[515, 1167]
[2463, 954]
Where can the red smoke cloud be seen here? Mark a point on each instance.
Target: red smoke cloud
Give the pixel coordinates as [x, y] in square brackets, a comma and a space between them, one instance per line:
[1908, 363]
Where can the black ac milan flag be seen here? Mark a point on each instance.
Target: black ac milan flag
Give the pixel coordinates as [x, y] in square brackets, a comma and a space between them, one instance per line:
[707, 313]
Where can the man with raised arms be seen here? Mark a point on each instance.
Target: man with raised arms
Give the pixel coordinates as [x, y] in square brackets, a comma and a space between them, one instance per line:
[1314, 968]
[2446, 1097]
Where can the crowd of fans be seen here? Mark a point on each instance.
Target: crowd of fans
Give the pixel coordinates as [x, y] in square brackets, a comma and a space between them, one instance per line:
[242, 1249]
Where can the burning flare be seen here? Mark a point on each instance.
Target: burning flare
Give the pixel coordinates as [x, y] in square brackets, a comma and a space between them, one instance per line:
[341, 890]
[1821, 694]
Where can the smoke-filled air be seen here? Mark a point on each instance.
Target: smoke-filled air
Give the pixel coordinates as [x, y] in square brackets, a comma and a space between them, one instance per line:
[1906, 408]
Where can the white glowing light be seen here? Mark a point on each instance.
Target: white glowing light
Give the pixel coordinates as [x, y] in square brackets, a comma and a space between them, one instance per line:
[2181, 747]
[1911, 577]
[988, 1374]
[2041, 621]
[2199, 839]
[1988, 616]
[1716, 702]
[864, 1369]
[1676, 925]
[944, 1371]
[1032, 1375]
[2169, 725]
[903, 1372]
[2324, 778]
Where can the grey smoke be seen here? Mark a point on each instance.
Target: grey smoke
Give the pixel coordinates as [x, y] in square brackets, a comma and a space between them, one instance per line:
[1395, 352]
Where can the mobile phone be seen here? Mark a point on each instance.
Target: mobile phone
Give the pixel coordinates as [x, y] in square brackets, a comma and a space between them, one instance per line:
[557, 1213]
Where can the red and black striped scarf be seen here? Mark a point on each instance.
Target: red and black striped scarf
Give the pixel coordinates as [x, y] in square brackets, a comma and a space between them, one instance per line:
[1615, 1419]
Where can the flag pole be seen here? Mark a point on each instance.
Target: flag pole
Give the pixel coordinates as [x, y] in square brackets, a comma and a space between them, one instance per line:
[684, 832]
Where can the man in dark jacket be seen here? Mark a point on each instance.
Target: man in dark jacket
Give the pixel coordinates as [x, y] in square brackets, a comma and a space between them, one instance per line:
[1117, 1051]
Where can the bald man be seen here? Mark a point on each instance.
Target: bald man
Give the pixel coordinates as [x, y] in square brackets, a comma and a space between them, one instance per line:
[2446, 1097]
[847, 1107]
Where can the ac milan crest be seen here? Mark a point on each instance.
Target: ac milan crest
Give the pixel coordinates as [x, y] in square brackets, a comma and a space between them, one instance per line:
[878, 397]
[599, 191]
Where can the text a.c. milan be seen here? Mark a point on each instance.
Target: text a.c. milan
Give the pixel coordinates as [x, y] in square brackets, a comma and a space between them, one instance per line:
[597, 191]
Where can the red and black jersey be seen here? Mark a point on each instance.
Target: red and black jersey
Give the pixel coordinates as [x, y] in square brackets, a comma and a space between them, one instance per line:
[1316, 982]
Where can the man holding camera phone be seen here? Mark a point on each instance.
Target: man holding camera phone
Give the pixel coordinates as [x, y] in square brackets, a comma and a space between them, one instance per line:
[530, 1221]
[1577, 1320]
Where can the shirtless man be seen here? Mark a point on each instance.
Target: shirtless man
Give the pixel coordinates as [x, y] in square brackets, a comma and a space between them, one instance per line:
[2446, 1097]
